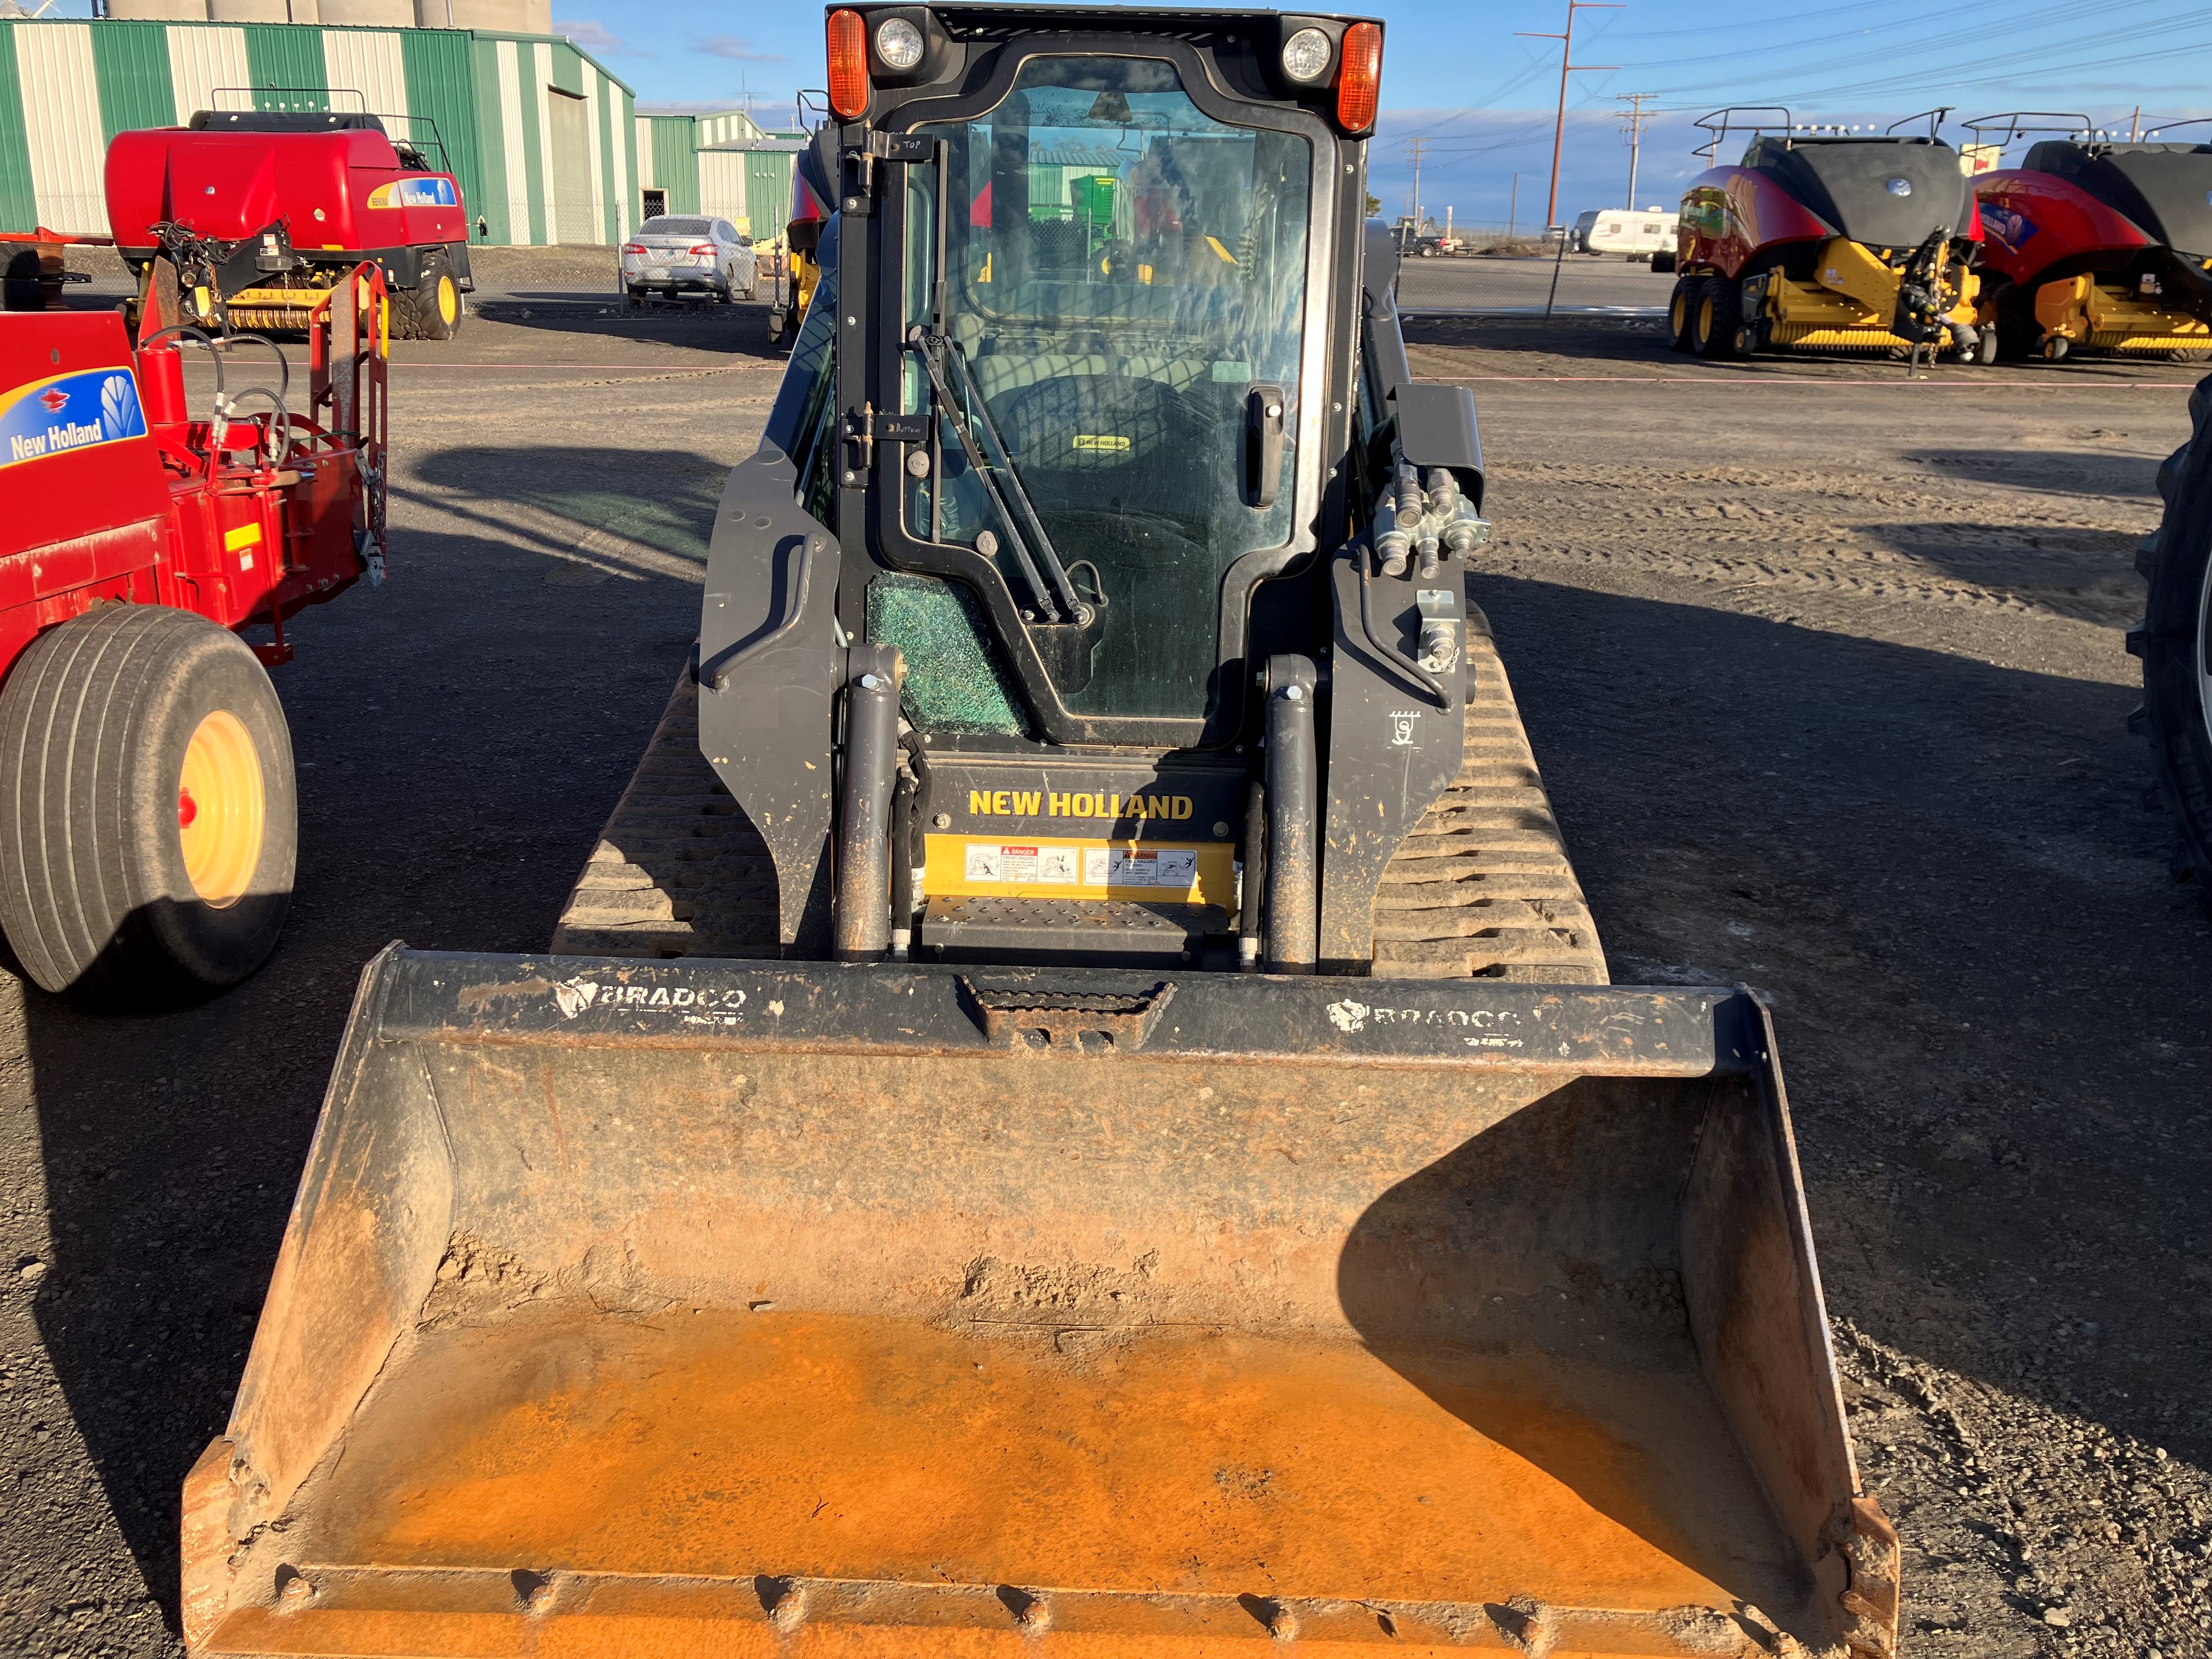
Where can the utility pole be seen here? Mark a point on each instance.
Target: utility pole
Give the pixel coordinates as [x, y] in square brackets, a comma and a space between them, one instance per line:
[1513, 207]
[1567, 66]
[1419, 147]
[1634, 119]
[2135, 125]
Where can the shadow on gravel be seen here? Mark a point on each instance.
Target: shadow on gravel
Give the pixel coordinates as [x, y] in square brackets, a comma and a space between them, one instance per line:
[461, 734]
[2069, 472]
[740, 329]
[1990, 993]
[666, 501]
[2075, 571]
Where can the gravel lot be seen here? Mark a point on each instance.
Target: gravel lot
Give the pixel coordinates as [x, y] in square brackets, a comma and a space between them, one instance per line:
[1823, 666]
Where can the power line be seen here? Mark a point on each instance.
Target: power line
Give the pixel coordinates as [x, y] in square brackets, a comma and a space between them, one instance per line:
[2016, 26]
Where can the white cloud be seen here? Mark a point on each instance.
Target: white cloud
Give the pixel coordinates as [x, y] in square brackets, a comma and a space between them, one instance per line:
[593, 36]
[730, 46]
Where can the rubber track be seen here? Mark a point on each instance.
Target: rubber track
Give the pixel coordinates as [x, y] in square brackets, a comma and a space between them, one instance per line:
[1482, 887]
[679, 870]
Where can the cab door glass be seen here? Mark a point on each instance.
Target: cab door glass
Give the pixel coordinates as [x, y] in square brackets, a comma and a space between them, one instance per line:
[1125, 287]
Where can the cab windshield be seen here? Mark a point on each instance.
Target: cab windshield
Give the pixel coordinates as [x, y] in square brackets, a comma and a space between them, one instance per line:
[1118, 327]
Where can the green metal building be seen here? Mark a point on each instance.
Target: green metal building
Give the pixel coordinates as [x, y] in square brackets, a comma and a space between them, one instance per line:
[542, 139]
[722, 163]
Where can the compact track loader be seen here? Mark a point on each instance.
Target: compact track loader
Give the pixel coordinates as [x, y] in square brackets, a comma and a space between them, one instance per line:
[1077, 1107]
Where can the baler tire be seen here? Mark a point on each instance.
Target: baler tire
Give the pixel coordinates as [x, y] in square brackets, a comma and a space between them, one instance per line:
[2018, 332]
[104, 721]
[1683, 310]
[20, 288]
[1714, 320]
[434, 304]
[2174, 640]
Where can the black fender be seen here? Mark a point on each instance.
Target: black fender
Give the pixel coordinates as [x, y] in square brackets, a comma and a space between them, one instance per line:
[768, 674]
[1393, 746]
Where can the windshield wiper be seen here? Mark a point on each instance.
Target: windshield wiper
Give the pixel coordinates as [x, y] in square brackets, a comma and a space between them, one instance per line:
[935, 350]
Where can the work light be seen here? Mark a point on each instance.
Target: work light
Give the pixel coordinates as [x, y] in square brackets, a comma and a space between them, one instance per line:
[898, 44]
[1305, 57]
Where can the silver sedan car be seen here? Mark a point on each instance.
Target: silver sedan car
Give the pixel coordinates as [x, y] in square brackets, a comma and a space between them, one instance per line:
[677, 254]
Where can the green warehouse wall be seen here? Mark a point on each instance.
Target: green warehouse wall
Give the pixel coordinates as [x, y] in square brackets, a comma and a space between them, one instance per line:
[500, 105]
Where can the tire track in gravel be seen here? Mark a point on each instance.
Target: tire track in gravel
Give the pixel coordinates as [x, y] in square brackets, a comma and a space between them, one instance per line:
[1807, 529]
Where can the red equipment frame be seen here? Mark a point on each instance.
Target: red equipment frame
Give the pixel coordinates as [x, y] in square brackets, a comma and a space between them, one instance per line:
[114, 493]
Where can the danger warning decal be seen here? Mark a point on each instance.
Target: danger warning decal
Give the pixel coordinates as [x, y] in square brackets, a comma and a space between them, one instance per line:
[1003, 861]
[71, 411]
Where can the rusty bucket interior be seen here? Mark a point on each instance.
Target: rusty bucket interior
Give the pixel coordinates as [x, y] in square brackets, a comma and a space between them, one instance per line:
[721, 1307]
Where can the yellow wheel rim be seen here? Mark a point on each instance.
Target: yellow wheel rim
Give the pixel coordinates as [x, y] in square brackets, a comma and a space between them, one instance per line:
[220, 809]
[1681, 316]
[1704, 320]
[449, 300]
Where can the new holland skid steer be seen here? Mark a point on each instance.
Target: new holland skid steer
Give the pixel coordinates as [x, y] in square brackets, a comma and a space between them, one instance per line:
[1076, 1108]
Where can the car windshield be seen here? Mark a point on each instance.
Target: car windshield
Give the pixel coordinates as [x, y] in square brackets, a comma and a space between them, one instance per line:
[668, 226]
[1124, 302]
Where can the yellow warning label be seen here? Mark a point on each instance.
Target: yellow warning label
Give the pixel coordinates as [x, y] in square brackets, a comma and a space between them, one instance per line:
[245, 535]
[1050, 866]
[1095, 441]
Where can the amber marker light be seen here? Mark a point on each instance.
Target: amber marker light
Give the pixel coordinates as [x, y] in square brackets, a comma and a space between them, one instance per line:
[848, 64]
[1359, 82]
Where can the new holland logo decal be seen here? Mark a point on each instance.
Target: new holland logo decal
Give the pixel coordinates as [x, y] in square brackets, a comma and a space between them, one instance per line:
[70, 411]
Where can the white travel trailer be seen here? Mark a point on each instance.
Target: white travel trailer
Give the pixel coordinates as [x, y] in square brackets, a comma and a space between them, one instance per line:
[1628, 231]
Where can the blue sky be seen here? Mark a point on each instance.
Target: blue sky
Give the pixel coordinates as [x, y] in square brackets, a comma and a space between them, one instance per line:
[1456, 75]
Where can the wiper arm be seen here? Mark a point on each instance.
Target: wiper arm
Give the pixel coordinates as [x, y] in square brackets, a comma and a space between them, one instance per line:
[934, 350]
[927, 346]
[1076, 609]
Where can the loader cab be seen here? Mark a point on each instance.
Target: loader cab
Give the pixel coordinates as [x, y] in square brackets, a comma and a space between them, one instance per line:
[1099, 435]
[1101, 311]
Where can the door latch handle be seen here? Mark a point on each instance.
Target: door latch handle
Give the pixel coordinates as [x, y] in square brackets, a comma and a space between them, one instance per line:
[1264, 407]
